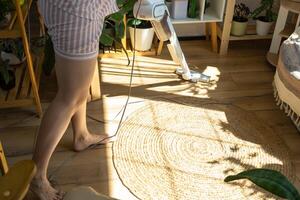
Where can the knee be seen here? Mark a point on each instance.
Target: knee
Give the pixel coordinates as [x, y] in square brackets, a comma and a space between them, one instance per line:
[72, 100]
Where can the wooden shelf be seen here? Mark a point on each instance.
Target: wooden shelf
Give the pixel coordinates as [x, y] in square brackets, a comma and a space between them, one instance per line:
[250, 37]
[251, 34]
[225, 29]
[272, 58]
[27, 75]
[13, 30]
[187, 21]
[22, 94]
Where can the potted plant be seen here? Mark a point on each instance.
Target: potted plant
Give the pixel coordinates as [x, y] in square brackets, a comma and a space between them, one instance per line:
[240, 19]
[141, 34]
[12, 50]
[264, 22]
[6, 6]
[7, 76]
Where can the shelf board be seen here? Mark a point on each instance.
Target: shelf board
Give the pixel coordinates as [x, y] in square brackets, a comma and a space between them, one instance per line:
[186, 21]
[272, 58]
[251, 37]
[206, 18]
[13, 30]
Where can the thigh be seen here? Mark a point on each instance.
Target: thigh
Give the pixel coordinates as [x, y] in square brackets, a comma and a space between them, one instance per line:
[73, 35]
[74, 76]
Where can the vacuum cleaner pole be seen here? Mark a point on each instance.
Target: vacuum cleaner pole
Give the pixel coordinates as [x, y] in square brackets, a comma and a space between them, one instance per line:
[157, 13]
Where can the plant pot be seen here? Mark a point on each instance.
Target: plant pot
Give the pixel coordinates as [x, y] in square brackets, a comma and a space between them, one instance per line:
[11, 83]
[238, 28]
[5, 22]
[262, 27]
[144, 38]
[12, 58]
[179, 9]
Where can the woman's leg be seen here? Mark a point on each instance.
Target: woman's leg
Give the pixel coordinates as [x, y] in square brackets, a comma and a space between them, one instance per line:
[82, 137]
[74, 79]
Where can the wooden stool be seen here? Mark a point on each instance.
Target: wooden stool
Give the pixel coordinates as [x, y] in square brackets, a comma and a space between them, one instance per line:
[282, 30]
[14, 182]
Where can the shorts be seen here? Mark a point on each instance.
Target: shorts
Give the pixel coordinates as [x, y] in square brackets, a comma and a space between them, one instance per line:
[75, 33]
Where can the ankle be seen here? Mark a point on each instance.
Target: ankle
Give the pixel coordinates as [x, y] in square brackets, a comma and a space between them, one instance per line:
[40, 178]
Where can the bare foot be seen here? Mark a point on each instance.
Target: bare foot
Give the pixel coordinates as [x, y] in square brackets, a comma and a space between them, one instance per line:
[88, 140]
[43, 189]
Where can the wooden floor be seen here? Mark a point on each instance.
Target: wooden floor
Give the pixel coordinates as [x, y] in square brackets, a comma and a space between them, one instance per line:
[243, 77]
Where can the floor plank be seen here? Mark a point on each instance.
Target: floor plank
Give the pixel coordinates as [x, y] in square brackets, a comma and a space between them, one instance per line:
[242, 78]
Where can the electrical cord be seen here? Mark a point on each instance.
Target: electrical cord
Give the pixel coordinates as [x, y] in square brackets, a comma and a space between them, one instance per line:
[130, 85]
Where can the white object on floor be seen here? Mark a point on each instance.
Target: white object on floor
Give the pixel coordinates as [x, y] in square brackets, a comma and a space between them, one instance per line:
[85, 193]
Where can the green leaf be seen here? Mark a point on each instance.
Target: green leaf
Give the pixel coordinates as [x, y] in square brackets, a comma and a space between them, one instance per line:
[106, 39]
[134, 22]
[270, 180]
[116, 17]
[128, 6]
[120, 30]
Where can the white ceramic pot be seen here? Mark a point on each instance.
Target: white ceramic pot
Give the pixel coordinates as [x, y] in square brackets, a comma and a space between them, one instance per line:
[239, 28]
[12, 58]
[179, 9]
[144, 38]
[263, 28]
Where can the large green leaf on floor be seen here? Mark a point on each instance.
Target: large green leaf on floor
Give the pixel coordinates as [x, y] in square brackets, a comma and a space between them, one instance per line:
[270, 180]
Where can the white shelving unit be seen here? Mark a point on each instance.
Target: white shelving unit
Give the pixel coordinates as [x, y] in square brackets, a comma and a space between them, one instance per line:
[213, 14]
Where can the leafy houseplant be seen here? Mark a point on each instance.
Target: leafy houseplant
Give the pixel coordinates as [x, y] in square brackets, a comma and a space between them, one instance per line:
[240, 19]
[264, 22]
[12, 50]
[116, 21]
[6, 6]
[142, 37]
[270, 180]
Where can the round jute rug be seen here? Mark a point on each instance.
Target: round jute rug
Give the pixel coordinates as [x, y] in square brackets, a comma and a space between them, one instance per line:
[170, 150]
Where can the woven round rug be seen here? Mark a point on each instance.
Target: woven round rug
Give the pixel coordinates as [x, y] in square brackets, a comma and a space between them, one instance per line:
[185, 149]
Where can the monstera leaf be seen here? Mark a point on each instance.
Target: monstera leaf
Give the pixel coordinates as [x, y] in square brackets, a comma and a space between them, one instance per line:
[270, 180]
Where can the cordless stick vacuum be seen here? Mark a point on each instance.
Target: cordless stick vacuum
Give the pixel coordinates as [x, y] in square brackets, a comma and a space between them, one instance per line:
[157, 13]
